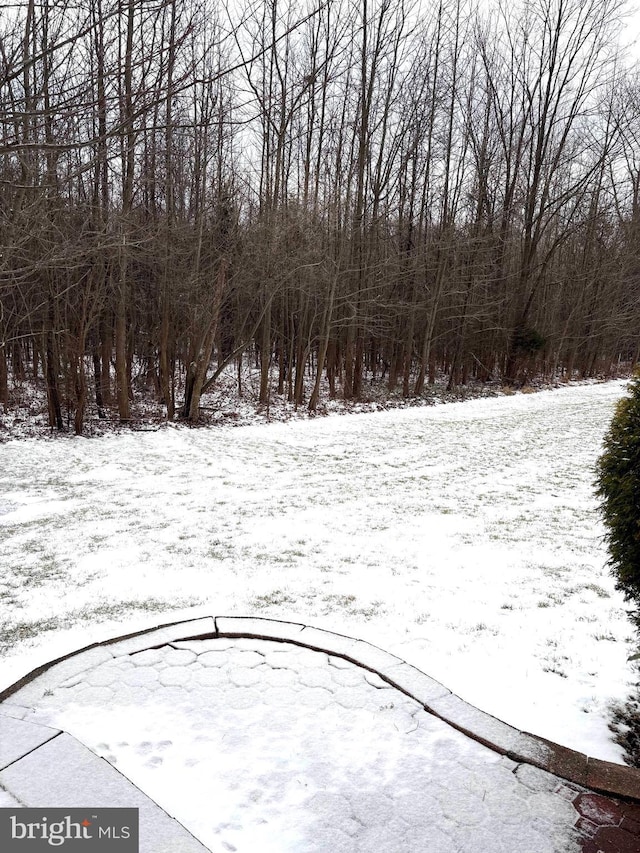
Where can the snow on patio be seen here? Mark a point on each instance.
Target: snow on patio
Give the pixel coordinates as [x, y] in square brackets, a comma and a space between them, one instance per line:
[264, 746]
[463, 538]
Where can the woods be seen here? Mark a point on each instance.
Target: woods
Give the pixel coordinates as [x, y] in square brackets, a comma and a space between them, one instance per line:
[361, 189]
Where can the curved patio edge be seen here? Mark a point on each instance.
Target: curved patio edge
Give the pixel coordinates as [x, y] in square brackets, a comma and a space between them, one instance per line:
[523, 747]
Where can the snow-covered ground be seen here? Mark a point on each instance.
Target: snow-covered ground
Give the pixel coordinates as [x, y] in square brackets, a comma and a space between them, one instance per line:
[463, 538]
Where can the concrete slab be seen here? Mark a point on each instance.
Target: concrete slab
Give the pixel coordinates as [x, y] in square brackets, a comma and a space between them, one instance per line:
[238, 626]
[476, 723]
[373, 657]
[613, 779]
[70, 669]
[419, 686]
[565, 762]
[65, 774]
[25, 693]
[327, 641]
[18, 738]
[18, 712]
[161, 636]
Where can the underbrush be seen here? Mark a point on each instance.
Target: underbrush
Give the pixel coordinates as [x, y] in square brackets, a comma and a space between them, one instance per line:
[625, 727]
[225, 406]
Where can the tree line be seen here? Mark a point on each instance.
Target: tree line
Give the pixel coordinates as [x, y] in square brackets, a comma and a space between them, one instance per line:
[364, 188]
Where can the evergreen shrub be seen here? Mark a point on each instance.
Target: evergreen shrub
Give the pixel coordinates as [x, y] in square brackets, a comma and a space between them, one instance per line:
[618, 487]
[527, 341]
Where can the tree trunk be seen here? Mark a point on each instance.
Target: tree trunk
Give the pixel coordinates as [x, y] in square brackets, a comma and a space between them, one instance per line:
[97, 377]
[122, 372]
[265, 358]
[80, 388]
[197, 371]
[165, 362]
[324, 346]
[4, 378]
[53, 391]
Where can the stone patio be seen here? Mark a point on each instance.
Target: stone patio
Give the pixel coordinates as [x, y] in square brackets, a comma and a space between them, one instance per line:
[248, 734]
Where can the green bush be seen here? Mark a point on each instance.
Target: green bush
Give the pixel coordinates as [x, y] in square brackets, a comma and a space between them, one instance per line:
[618, 487]
[527, 341]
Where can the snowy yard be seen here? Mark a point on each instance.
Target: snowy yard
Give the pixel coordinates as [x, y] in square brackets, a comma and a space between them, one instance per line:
[463, 538]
